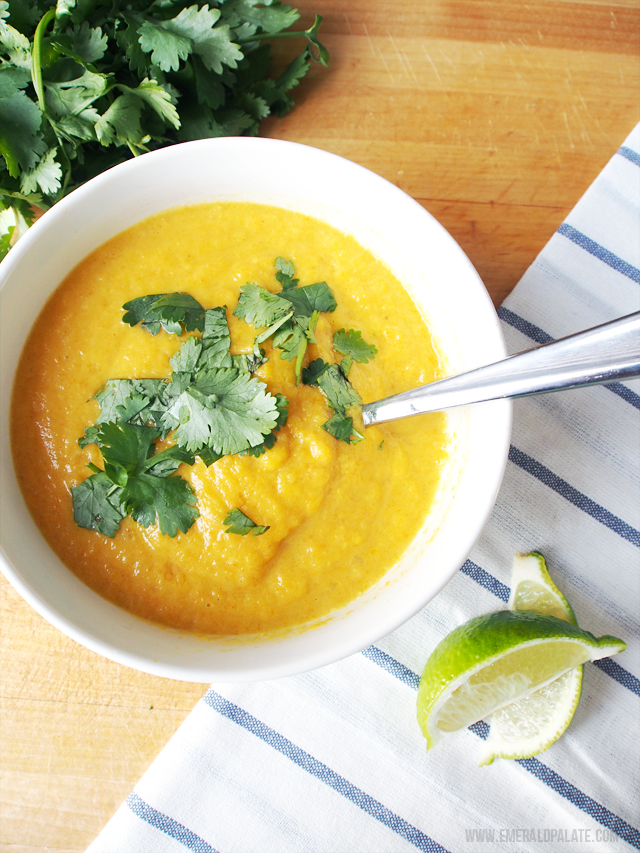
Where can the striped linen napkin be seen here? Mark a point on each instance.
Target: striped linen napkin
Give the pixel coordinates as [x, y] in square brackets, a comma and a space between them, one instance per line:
[333, 760]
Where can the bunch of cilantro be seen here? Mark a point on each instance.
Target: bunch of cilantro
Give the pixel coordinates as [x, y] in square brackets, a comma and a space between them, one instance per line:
[86, 84]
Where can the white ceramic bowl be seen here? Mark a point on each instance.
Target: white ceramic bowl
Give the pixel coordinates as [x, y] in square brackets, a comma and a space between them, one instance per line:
[442, 282]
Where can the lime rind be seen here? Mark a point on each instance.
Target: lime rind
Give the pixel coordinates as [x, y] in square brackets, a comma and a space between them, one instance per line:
[533, 589]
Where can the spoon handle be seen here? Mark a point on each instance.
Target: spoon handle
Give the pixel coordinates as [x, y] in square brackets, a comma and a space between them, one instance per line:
[602, 354]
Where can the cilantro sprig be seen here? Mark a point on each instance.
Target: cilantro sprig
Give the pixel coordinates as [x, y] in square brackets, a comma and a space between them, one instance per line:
[211, 406]
[290, 318]
[86, 85]
[135, 481]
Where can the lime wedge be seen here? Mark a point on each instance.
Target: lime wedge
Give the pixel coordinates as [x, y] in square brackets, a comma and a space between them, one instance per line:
[529, 726]
[496, 659]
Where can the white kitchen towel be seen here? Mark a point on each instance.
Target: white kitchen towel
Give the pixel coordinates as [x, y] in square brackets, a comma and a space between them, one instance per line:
[333, 761]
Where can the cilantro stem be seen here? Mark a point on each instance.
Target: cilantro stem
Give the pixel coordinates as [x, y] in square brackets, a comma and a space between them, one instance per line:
[311, 35]
[264, 36]
[36, 56]
[38, 85]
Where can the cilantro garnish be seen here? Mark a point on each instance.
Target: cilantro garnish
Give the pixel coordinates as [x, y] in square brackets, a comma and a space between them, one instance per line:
[172, 312]
[135, 481]
[340, 394]
[211, 406]
[331, 379]
[340, 426]
[290, 316]
[350, 343]
[285, 273]
[241, 524]
[223, 409]
[86, 85]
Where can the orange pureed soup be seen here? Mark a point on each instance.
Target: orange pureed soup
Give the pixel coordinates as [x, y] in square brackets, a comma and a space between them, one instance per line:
[338, 515]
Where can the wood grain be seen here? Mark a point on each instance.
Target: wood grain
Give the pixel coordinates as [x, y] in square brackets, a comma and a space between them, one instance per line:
[496, 117]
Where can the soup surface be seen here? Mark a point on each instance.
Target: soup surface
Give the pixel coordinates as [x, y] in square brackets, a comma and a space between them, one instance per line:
[338, 515]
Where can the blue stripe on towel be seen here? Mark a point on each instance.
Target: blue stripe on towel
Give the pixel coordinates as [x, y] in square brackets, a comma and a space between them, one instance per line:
[534, 332]
[167, 825]
[630, 154]
[550, 778]
[626, 393]
[482, 577]
[546, 476]
[325, 774]
[585, 803]
[599, 251]
[615, 671]
[541, 337]
[393, 666]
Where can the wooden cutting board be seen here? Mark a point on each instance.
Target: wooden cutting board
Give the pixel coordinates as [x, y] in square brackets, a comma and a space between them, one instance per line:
[496, 116]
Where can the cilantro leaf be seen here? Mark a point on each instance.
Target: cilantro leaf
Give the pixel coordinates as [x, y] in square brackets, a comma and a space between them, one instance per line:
[45, 175]
[96, 504]
[312, 297]
[193, 30]
[290, 316]
[340, 394]
[169, 500]
[216, 339]
[167, 462]
[350, 343]
[167, 47]
[14, 45]
[83, 42]
[120, 122]
[209, 456]
[313, 371]
[125, 448]
[250, 361]
[136, 401]
[330, 378]
[169, 311]
[155, 96]
[346, 364]
[283, 412]
[285, 273]
[270, 17]
[21, 142]
[292, 341]
[241, 524]
[224, 410]
[5, 241]
[71, 97]
[187, 357]
[259, 306]
[340, 426]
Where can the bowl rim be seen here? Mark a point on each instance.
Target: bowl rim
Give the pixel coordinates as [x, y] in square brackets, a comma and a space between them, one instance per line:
[313, 657]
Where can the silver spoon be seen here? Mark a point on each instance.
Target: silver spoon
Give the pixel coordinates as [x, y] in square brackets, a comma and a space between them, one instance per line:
[603, 354]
